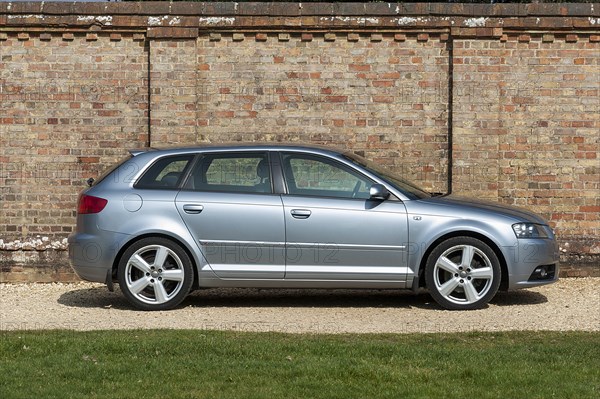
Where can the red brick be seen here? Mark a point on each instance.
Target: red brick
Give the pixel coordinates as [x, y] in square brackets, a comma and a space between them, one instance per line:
[359, 68]
[88, 159]
[571, 38]
[391, 75]
[524, 38]
[589, 209]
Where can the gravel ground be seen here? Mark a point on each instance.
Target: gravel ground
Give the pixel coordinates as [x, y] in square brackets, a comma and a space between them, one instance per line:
[570, 304]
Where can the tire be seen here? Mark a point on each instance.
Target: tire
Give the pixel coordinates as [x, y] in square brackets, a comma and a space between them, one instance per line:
[462, 273]
[151, 284]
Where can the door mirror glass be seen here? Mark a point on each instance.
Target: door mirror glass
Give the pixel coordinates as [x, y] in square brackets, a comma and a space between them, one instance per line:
[378, 192]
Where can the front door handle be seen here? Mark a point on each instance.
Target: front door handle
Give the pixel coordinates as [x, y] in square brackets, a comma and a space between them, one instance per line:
[300, 213]
[193, 208]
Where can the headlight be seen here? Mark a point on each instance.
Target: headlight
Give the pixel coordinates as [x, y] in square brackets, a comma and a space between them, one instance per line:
[529, 230]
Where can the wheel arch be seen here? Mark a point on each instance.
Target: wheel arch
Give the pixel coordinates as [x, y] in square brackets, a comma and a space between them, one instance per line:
[176, 240]
[504, 278]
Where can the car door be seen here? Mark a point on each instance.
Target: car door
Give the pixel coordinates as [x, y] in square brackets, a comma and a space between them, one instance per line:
[229, 207]
[333, 230]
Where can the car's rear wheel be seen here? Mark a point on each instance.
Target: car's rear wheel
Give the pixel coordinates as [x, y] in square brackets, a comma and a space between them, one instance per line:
[462, 273]
[155, 274]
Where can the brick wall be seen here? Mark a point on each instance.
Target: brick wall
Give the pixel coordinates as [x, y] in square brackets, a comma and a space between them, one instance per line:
[515, 90]
[379, 94]
[527, 127]
[174, 92]
[69, 103]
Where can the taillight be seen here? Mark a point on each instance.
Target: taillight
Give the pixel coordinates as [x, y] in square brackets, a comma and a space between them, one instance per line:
[90, 204]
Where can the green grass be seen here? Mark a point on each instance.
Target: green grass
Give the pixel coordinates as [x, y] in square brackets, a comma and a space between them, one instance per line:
[209, 364]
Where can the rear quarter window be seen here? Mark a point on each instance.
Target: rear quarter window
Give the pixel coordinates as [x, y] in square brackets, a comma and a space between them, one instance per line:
[165, 173]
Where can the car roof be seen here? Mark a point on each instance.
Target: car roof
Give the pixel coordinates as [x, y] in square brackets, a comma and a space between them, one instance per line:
[237, 146]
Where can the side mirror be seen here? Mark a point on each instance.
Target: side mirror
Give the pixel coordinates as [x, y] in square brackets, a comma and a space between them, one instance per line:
[378, 192]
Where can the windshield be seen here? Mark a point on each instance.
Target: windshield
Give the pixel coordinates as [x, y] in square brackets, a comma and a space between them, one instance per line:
[399, 183]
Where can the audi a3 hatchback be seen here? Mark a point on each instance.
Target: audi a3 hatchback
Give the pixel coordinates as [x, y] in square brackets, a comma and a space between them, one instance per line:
[165, 222]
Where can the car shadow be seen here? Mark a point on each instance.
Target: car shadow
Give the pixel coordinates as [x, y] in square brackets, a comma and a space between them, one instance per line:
[292, 298]
[100, 297]
[518, 298]
[96, 298]
[309, 298]
[343, 298]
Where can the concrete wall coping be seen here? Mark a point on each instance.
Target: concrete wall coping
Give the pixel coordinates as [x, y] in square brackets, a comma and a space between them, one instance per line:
[285, 16]
[298, 9]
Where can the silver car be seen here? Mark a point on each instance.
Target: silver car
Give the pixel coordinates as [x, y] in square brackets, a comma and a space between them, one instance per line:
[165, 222]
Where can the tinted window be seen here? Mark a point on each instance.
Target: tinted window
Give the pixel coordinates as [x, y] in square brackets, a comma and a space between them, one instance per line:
[243, 173]
[401, 184]
[165, 173]
[319, 176]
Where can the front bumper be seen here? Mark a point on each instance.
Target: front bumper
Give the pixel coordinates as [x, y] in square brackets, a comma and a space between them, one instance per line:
[526, 257]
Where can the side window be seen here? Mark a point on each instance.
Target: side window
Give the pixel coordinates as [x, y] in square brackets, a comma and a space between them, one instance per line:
[319, 176]
[237, 172]
[165, 173]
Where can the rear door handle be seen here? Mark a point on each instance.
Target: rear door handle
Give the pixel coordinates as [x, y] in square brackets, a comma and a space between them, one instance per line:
[193, 208]
[300, 213]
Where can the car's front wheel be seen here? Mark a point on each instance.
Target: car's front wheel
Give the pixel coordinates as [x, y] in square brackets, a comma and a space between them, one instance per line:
[462, 273]
[155, 274]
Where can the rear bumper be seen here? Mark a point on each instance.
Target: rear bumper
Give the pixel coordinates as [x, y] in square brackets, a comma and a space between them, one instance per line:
[92, 256]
